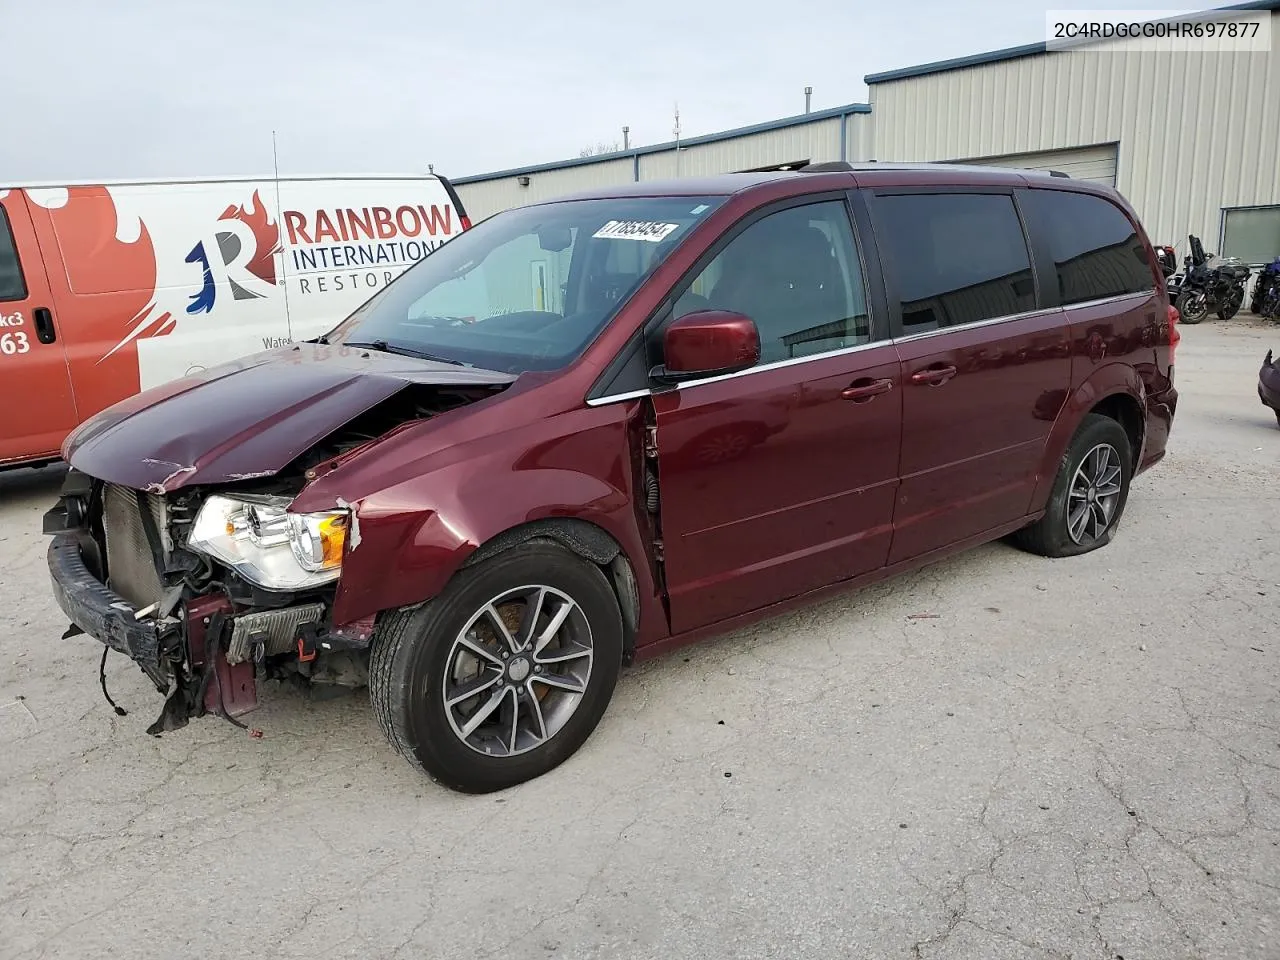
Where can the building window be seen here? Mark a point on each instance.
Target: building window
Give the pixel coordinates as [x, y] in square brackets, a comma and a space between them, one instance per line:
[1251, 233]
[1095, 248]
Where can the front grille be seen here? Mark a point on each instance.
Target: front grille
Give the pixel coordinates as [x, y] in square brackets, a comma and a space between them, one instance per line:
[131, 568]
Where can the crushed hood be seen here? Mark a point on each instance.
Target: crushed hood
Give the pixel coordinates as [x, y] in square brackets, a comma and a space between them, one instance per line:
[248, 418]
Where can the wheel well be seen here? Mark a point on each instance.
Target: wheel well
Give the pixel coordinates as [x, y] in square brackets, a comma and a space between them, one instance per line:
[588, 541]
[1126, 411]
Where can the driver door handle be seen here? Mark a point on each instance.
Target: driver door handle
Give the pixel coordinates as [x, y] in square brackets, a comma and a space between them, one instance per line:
[860, 391]
[45, 331]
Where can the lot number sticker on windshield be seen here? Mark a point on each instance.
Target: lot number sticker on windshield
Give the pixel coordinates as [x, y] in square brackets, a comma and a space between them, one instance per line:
[635, 230]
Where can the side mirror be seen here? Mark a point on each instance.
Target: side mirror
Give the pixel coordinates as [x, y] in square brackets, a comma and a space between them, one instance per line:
[706, 343]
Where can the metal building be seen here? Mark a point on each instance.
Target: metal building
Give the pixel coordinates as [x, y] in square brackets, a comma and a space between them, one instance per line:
[1192, 140]
[840, 133]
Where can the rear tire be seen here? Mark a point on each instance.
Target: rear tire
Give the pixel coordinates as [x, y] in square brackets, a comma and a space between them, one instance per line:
[1082, 513]
[1232, 306]
[542, 703]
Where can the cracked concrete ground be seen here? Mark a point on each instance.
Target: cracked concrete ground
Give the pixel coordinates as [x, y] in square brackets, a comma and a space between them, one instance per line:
[1076, 758]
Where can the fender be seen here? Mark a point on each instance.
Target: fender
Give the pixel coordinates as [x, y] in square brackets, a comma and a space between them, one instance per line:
[411, 535]
[1108, 380]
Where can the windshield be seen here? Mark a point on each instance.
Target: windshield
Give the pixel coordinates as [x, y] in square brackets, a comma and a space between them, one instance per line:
[527, 289]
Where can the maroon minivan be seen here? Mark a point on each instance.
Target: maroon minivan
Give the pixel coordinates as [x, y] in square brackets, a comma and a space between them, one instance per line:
[593, 429]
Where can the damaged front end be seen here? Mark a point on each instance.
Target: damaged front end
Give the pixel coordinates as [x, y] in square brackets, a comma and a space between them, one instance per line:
[205, 591]
[210, 587]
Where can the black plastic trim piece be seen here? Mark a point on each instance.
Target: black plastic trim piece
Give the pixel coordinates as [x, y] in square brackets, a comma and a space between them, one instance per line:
[103, 614]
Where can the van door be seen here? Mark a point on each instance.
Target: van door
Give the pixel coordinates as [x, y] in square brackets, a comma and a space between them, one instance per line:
[985, 370]
[37, 408]
[780, 479]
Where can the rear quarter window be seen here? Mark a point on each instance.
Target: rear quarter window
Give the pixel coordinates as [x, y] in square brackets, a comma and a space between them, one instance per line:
[1096, 250]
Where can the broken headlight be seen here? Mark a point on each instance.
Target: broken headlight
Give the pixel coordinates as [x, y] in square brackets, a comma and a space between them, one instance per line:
[261, 541]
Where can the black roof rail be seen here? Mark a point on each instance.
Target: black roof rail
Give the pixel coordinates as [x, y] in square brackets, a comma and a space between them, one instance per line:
[789, 165]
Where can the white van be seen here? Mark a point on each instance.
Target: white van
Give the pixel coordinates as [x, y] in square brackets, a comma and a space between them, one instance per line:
[111, 288]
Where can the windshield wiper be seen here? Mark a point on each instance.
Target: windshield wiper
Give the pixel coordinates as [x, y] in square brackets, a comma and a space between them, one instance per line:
[382, 346]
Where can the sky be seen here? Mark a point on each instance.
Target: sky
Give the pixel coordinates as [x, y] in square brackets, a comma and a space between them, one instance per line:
[99, 89]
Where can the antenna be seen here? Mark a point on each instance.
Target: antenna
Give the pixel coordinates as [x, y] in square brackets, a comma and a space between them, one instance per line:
[284, 281]
[676, 131]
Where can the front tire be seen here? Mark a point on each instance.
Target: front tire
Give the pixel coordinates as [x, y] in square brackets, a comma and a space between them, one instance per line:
[503, 676]
[1089, 493]
[1193, 306]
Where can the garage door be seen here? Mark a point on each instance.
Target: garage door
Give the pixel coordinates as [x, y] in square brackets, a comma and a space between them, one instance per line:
[1082, 163]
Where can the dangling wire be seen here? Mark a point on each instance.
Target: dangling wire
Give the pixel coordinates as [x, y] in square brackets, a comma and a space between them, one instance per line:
[102, 682]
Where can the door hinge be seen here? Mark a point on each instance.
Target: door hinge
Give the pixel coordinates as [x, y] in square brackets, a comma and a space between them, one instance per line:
[651, 442]
[658, 553]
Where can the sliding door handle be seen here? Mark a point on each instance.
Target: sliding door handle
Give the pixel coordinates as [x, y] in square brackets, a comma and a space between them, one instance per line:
[934, 376]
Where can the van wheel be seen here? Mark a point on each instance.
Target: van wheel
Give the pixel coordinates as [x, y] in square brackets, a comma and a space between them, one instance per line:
[1089, 493]
[505, 674]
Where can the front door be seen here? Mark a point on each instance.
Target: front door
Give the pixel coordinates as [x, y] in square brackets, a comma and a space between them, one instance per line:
[37, 408]
[781, 479]
[985, 370]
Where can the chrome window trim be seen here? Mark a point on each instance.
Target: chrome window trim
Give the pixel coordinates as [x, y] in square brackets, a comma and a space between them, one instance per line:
[991, 321]
[777, 364]
[618, 397]
[1104, 300]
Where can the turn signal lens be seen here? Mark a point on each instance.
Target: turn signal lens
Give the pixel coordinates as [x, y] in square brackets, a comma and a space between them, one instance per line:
[318, 539]
[1175, 335]
[333, 537]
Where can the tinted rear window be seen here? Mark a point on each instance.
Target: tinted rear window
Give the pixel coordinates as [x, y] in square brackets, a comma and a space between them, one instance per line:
[1095, 248]
[957, 258]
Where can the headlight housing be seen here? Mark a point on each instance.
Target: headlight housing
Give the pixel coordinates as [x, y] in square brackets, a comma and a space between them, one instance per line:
[260, 540]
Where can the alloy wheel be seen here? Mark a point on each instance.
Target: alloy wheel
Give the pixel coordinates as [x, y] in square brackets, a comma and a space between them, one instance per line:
[518, 670]
[1094, 495]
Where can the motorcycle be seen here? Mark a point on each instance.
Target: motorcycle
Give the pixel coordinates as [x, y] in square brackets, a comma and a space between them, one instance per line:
[1208, 283]
[1266, 292]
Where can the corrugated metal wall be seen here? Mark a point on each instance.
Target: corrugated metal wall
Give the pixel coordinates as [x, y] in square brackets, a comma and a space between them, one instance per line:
[1097, 164]
[809, 141]
[487, 197]
[1197, 132]
[816, 141]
